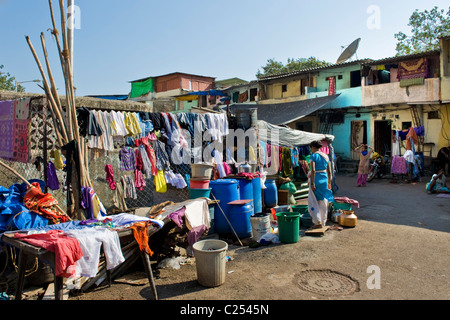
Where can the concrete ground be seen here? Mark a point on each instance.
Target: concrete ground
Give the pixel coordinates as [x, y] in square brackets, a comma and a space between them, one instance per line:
[399, 250]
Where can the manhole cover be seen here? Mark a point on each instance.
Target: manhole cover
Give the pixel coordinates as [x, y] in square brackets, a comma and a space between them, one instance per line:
[327, 282]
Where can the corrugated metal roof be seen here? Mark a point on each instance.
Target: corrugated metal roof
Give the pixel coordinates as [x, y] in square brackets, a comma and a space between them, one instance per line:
[309, 70]
[286, 112]
[403, 58]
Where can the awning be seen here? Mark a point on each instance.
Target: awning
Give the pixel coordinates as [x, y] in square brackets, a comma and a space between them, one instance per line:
[283, 113]
[288, 137]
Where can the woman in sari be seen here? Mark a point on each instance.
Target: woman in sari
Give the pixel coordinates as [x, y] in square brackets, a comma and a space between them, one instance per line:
[320, 193]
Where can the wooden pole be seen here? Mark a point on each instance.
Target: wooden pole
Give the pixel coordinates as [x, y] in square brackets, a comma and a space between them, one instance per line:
[47, 89]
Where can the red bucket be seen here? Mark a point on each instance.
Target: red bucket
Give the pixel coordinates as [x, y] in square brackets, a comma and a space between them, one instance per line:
[197, 183]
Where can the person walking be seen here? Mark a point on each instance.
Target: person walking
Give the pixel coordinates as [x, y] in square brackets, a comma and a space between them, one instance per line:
[320, 193]
[363, 169]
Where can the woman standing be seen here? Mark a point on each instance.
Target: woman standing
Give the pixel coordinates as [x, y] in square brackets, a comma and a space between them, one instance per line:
[363, 169]
[320, 185]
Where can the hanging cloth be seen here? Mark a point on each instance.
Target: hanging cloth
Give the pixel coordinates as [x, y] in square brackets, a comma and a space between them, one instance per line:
[52, 178]
[287, 162]
[110, 176]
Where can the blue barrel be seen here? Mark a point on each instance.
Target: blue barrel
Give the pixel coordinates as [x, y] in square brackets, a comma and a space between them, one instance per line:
[246, 189]
[240, 219]
[224, 190]
[270, 194]
[257, 198]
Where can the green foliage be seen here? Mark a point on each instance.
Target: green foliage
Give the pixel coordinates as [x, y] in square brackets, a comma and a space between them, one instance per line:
[426, 29]
[273, 67]
[7, 82]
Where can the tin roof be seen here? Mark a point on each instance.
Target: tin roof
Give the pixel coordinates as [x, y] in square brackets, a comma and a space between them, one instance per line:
[309, 70]
[403, 58]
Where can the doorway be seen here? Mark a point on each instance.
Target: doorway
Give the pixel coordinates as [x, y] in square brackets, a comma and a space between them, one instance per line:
[382, 139]
[358, 136]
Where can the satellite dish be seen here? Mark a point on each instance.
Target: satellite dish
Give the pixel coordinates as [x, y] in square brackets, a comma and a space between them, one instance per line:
[349, 51]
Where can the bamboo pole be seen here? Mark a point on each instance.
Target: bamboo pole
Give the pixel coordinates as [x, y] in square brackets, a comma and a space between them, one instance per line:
[53, 86]
[47, 89]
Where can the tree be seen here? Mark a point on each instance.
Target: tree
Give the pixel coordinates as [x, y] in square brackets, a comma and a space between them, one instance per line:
[426, 29]
[273, 67]
[7, 82]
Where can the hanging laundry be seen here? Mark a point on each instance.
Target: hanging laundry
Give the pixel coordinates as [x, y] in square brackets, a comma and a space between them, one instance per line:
[14, 124]
[139, 181]
[287, 162]
[132, 123]
[160, 182]
[72, 157]
[118, 124]
[87, 122]
[127, 158]
[129, 190]
[118, 198]
[110, 176]
[147, 166]
[411, 138]
[58, 162]
[52, 178]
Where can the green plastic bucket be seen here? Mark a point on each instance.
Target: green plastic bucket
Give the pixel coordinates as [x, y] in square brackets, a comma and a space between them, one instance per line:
[302, 208]
[306, 220]
[342, 206]
[199, 193]
[288, 226]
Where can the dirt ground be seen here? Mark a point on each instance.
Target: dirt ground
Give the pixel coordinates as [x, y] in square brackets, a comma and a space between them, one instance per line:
[399, 250]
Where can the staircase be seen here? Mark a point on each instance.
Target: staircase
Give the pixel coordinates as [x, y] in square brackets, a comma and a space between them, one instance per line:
[347, 166]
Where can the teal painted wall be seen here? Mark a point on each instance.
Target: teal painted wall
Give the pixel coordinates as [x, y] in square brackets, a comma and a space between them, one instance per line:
[342, 133]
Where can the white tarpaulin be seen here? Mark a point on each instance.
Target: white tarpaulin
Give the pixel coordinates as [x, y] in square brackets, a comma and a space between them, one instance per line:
[288, 137]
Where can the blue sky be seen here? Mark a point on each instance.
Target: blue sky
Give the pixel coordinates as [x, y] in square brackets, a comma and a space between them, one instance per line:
[119, 41]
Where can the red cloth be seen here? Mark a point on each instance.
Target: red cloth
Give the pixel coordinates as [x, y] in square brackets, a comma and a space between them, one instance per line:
[67, 249]
[43, 204]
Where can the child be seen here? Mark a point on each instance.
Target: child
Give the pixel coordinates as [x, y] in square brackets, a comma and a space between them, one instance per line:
[363, 169]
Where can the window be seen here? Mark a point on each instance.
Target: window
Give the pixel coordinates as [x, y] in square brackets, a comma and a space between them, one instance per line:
[355, 79]
[434, 115]
[406, 125]
[284, 88]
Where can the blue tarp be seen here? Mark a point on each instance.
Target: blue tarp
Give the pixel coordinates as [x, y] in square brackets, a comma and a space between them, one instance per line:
[13, 214]
[209, 93]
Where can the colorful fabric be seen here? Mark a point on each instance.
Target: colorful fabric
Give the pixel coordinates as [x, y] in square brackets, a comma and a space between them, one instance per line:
[140, 233]
[14, 129]
[413, 69]
[142, 87]
[43, 204]
[52, 178]
[110, 176]
[127, 157]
